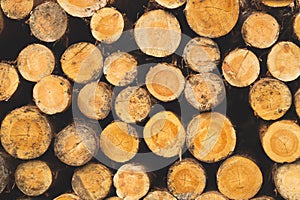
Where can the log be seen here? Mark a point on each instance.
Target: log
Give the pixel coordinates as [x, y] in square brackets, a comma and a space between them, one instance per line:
[210, 137]
[119, 141]
[165, 82]
[82, 62]
[16, 9]
[297, 102]
[5, 172]
[211, 195]
[201, 54]
[296, 25]
[186, 179]
[9, 81]
[107, 25]
[92, 182]
[263, 198]
[278, 3]
[281, 141]
[286, 179]
[240, 67]
[113, 198]
[67, 196]
[260, 30]
[76, 144]
[120, 68]
[284, 61]
[33, 178]
[239, 178]
[133, 104]
[204, 91]
[164, 134]
[171, 4]
[206, 17]
[157, 33]
[131, 181]
[159, 195]
[52, 94]
[94, 100]
[35, 62]
[48, 22]
[25, 133]
[270, 99]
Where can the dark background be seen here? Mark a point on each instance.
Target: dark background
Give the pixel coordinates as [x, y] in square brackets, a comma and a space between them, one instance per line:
[16, 36]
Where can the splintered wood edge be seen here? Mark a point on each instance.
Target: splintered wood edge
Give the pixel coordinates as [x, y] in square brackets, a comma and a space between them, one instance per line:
[240, 67]
[159, 195]
[165, 82]
[215, 195]
[16, 9]
[284, 61]
[171, 4]
[33, 178]
[296, 25]
[131, 181]
[297, 102]
[9, 81]
[277, 3]
[67, 196]
[239, 178]
[93, 181]
[263, 198]
[164, 134]
[188, 169]
[95, 100]
[119, 141]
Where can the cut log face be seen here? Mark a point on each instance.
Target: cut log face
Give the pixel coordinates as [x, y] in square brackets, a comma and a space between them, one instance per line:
[287, 181]
[186, 179]
[33, 178]
[119, 141]
[16, 9]
[277, 3]
[133, 104]
[159, 195]
[204, 91]
[239, 178]
[296, 26]
[5, 172]
[25, 133]
[92, 182]
[52, 94]
[165, 82]
[297, 102]
[281, 141]
[120, 68]
[82, 62]
[157, 33]
[9, 81]
[171, 4]
[211, 195]
[67, 196]
[76, 144]
[35, 62]
[201, 54]
[48, 22]
[164, 134]
[241, 67]
[94, 100]
[206, 17]
[270, 99]
[131, 181]
[284, 61]
[260, 30]
[263, 198]
[210, 137]
[81, 8]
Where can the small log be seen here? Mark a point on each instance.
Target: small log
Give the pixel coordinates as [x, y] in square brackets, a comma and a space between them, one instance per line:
[119, 141]
[26, 133]
[278, 3]
[48, 22]
[52, 94]
[239, 178]
[263, 198]
[284, 61]
[211, 195]
[131, 181]
[296, 25]
[9, 81]
[201, 54]
[5, 172]
[92, 182]
[281, 141]
[297, 102]
[286, 179]
[94, 100]
[260, 30]
[33, 178]
[82, 62]
[113, 198]
[164, 134]
[120, 68]
[133, 104]
[186, 179]
[159, 195]
[240, 67]
[204, 91]
[16, 9]
[67, 196]
[270, 99]
[171, 4]
[157, 33]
